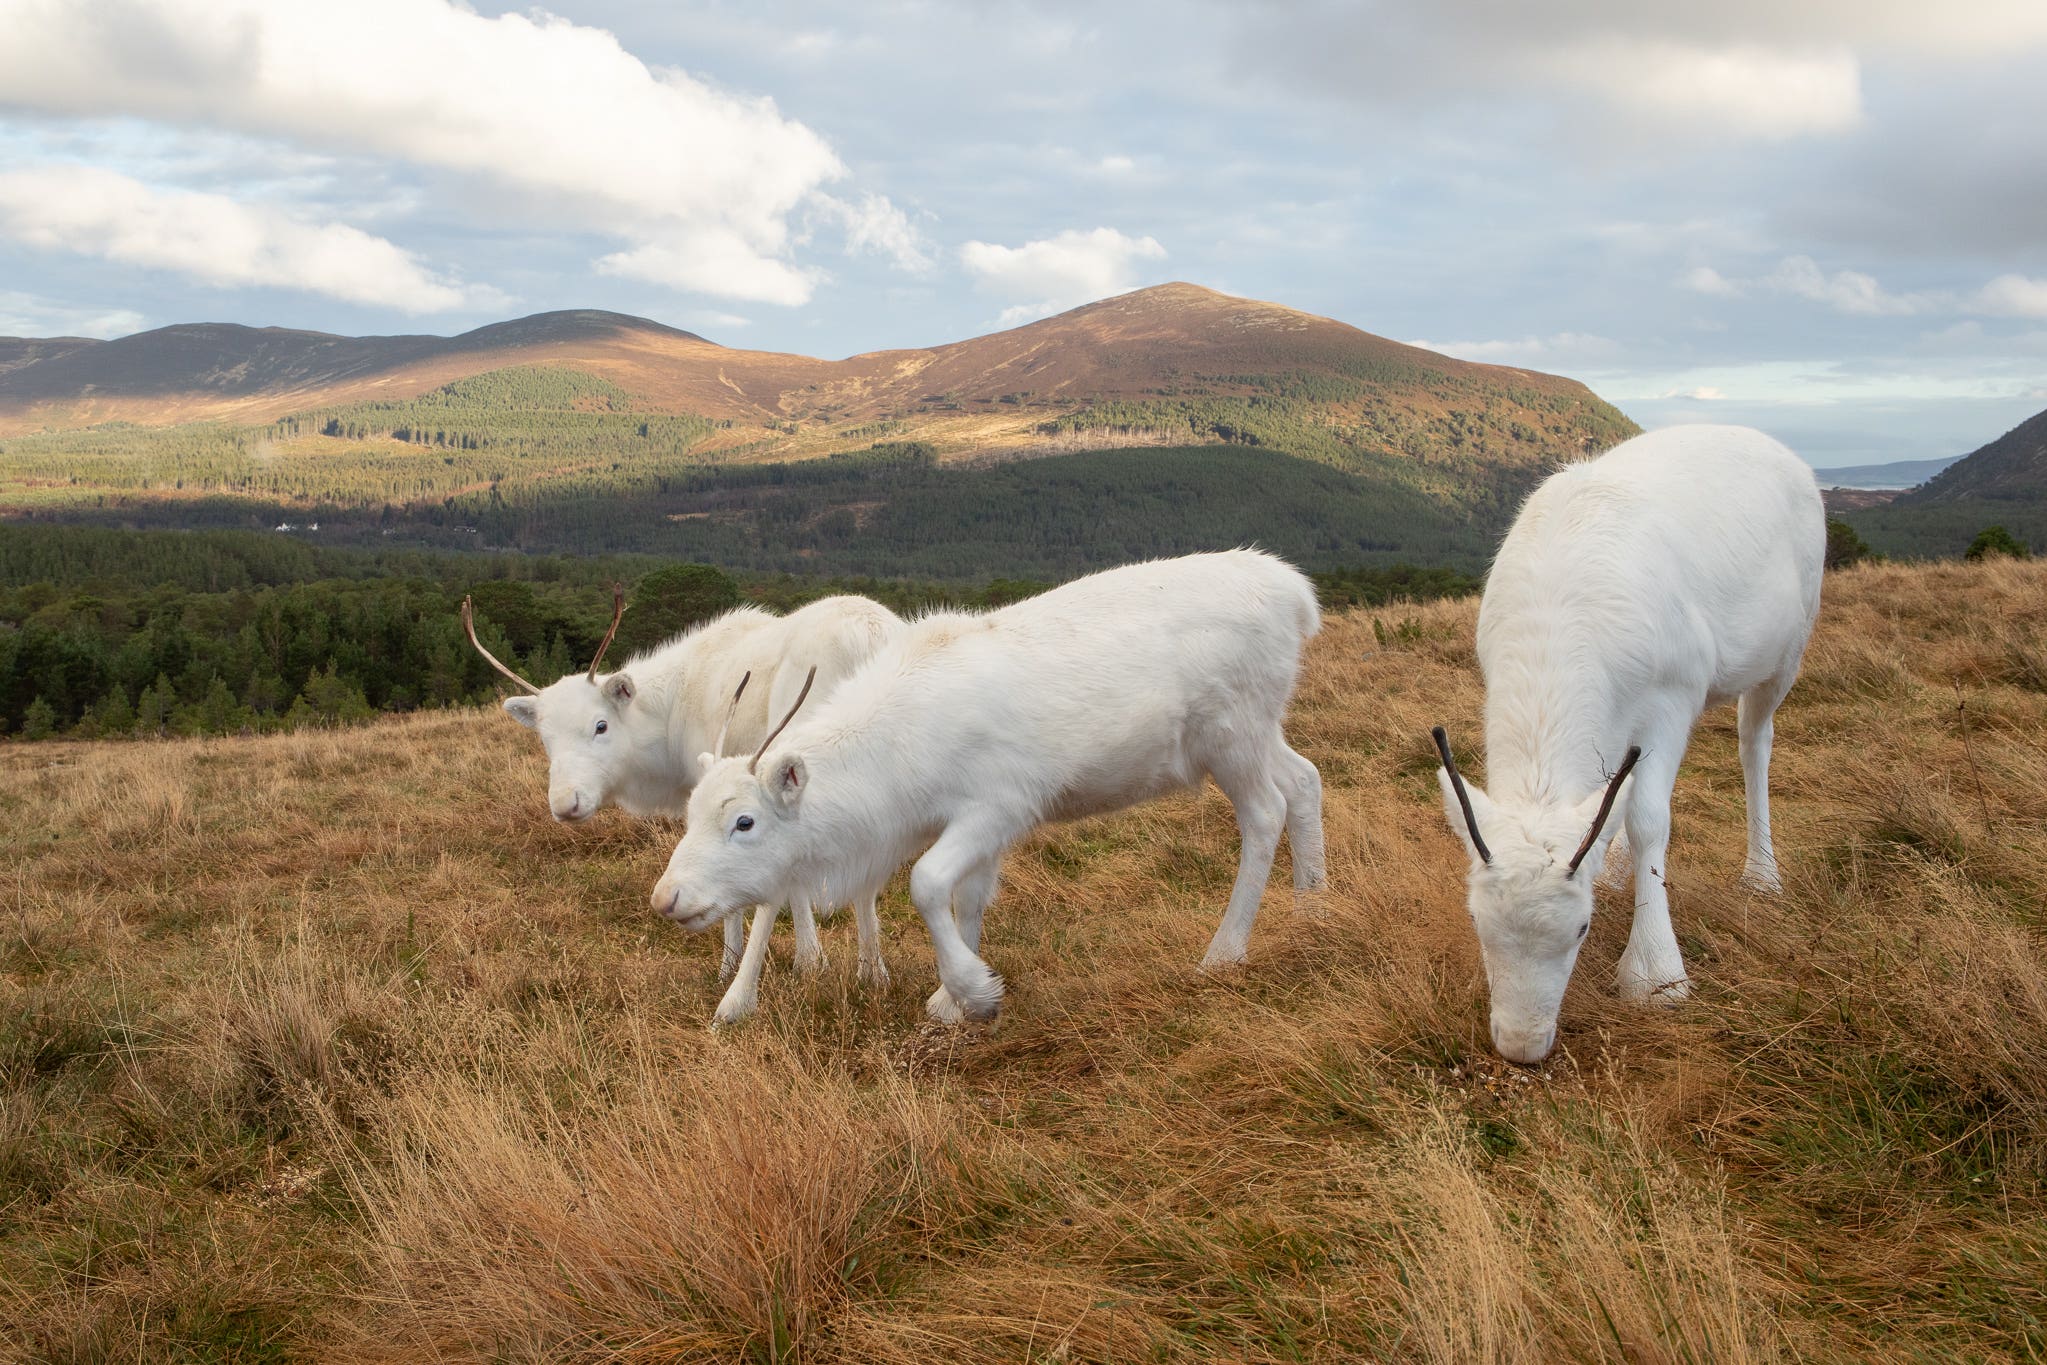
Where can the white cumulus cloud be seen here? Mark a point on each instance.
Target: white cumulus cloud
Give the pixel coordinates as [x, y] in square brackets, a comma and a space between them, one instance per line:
[1054, 273]
[874, 226]
[2013, 296]
[213, 239]
[545, 117]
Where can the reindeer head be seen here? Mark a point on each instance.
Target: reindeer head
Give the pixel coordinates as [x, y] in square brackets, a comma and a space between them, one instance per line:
[742, 840]
[587, 723]
[1530, 896]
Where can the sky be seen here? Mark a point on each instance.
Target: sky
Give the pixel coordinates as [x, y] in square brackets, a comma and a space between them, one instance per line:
[1827, 218]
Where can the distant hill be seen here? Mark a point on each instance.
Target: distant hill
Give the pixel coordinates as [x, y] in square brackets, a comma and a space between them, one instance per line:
[212, 371]
[585, 431]
[1899, 474]
[2003, 483]
[1167, 365]
[2012, 468]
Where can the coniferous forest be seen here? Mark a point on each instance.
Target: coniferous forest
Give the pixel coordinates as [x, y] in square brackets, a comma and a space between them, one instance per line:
[108, 633]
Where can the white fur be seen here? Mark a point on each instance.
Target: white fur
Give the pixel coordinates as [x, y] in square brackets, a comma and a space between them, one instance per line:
[1678, 571]
[662, 712]
[971, 730]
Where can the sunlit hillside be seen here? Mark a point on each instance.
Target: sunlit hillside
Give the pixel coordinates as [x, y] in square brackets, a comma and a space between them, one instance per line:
[331, 1045]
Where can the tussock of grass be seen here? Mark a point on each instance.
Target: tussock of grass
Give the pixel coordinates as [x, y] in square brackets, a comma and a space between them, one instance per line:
[333, 1045]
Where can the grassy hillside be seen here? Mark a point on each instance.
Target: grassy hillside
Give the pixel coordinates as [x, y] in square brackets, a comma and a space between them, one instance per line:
[332, 1045]
[889, 509]
[2003, 483]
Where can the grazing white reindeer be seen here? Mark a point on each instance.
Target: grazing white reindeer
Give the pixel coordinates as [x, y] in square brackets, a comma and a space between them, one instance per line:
[1678, 571]
[971, 730]
[642, 737]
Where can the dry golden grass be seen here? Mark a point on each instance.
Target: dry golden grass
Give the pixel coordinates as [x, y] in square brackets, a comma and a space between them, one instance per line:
[333, 1046]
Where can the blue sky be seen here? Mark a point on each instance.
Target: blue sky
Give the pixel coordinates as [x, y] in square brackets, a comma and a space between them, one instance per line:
[1828, 219]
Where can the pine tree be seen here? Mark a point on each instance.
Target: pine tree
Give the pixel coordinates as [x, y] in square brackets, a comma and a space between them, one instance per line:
[39, 721]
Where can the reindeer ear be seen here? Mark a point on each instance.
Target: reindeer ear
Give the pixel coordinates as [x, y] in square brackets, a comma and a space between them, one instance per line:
[704, 762]
[525, 710]
[787, 781]
[619, 688]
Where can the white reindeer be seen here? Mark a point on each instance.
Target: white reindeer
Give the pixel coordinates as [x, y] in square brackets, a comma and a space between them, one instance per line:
[971, 730]
[642, 737]
[1678, 571]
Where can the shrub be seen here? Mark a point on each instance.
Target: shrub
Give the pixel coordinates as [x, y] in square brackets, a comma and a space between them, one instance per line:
[1995, 540]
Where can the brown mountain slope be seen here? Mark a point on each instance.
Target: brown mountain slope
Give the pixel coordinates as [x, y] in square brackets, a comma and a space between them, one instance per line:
[224, 372]
[1168, 347]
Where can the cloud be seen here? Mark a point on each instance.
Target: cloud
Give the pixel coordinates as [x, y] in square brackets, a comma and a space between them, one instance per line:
[1742, 89]
[553, 118]
[32, 315]
[1698, 393]
[711, 317]
[1055, 273]
[1623, 79]
[1704, 279]
[2013, 296]
[1859, 294]
[215, 240]
[1561, 348]
[874, 226]
[1846, 291]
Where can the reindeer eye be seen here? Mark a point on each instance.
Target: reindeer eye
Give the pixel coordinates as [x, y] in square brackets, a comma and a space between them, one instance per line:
[602, 726]
[744, 822]
[1583, 927]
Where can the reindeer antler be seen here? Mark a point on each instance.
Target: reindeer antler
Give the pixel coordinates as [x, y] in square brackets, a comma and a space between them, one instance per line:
[777, 733]
[617, 612]
[1485, 855]
[718, 749]
[1613, 789]
[469, 624]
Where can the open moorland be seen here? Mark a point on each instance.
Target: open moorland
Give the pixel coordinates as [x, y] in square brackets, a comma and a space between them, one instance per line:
[1175, 414]
[329, 1044]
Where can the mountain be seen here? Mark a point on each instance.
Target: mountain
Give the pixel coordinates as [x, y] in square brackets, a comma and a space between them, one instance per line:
[1175, 363]
[2003, 483]
[221, 371]
[1898, 474]
[2012, 468]
[1162, 420]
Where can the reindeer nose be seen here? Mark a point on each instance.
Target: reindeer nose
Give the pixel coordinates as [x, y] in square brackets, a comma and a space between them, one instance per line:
[663, 900]
[571, 809]
[1525, 1046]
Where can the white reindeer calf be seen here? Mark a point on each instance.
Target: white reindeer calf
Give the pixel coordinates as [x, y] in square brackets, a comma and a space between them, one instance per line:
[971, 730]
[1678, 571]
[641, 737]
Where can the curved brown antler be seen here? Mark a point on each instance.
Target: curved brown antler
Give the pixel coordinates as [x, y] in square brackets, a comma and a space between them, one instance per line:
[1613, 789]
[469, 624]
[1485, 855]
[718, 749]
[617, 613]
[777, 732]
